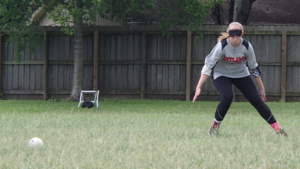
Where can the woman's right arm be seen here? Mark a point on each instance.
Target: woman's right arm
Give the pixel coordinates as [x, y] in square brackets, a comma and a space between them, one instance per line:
[210, 61]
[199, 85]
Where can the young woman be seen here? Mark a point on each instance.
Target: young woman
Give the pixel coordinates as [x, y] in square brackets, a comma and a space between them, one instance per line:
[232, 61]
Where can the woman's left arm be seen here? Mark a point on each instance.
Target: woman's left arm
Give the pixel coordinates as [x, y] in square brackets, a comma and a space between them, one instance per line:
[255, 72]
[262, 88]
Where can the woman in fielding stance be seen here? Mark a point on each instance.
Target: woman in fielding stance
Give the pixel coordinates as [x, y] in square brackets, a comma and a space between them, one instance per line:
[226, 63]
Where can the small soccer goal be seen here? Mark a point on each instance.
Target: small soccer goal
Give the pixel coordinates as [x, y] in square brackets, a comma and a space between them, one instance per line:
[89, 95]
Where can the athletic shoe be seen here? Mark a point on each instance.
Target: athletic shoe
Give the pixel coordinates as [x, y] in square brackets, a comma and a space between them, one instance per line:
[281, 132]
[213, 131]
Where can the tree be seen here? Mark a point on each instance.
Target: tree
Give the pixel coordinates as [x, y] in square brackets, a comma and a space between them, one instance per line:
[15, 21]
[239, 11]
[72, 15]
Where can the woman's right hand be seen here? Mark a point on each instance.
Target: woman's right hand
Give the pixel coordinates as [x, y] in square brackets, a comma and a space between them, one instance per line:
[197, 93]
[200, 83]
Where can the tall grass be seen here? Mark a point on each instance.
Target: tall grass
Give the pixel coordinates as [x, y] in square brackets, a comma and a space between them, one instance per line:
[145, 134]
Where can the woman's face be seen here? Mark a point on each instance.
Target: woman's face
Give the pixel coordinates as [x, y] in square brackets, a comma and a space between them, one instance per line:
[235, 33]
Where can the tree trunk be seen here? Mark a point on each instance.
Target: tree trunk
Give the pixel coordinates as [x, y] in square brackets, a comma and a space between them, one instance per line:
[236, 9]
[217, 14]
[78, 54]
[239, 10]
[231, 11]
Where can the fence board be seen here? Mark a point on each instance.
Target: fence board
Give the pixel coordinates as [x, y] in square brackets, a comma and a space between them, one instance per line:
[119, 51]
[26, 77]
[96, 61]
[283, 67]
[32, 77]
[39, 74]
[138, 41]
[293, 79]
[165, 77]
[188, 65]
[15, 77]
[113, 47]
[293, 48]
[157, 77]
[131, 48]
[87, 78]
[21, 77]
[171, 77]
[136, 77]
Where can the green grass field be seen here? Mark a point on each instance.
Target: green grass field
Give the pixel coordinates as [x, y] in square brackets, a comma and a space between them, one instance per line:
[139, 134]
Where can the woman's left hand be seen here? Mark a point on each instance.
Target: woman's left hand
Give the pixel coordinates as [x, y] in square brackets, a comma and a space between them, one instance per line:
[262, 88]
[263, 95]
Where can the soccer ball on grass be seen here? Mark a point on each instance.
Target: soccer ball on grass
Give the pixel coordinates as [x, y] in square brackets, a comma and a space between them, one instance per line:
[36, 143]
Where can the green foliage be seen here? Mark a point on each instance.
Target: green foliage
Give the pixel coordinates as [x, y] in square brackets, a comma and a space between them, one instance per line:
[127, 10]
[183, 12]
[166, 13]
[16, 15]
[66, 13]
[15, 20]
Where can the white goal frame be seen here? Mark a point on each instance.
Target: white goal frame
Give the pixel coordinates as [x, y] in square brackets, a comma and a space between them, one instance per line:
[96, 96]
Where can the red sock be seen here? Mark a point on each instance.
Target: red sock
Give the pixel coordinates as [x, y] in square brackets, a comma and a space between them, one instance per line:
[216, 123]
[275, 126]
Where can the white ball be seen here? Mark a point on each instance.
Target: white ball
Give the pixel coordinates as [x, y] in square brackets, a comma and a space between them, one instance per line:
[36, 143]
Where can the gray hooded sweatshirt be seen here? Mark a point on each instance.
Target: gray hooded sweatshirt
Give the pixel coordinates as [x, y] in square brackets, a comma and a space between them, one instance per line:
[225, 60]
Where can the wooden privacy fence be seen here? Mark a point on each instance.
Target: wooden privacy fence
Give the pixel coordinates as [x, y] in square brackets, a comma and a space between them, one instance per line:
[137, 62]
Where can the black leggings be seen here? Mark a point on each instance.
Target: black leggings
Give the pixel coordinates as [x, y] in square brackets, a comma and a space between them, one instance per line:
[247, 87]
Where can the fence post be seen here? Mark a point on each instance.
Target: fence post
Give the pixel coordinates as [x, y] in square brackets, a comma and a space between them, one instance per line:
[96, 60]
[283, 67]
[143, 66]
[45, 65]
[188, 65]
[0, 63]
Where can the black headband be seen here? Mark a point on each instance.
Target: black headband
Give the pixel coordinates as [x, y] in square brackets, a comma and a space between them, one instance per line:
[235, 32]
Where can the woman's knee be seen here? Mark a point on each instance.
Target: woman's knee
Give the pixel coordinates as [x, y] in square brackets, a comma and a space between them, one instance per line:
[255, 100]
[227, 97]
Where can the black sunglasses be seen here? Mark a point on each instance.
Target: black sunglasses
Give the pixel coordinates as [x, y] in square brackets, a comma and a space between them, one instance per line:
[235, 32]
